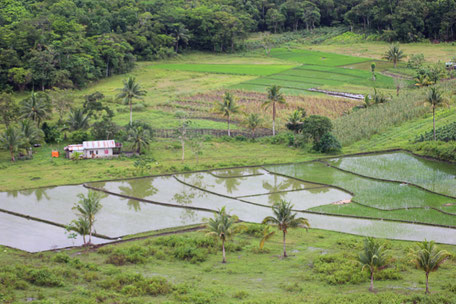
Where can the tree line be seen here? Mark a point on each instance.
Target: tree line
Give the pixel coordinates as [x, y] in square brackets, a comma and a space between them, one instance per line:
[69, 43]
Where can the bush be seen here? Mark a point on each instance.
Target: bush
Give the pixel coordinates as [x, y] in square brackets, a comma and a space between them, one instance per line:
[139, 107]
[327, 144]
[133, 255]
[190, 253]
[52, 134]
[79, 136]
[61, 257]
[43, 277]
[240, 138]
[338, 269]
[137, 285]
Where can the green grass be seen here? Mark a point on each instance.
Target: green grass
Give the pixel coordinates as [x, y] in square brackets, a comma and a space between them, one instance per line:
[321, 269]
[315, 57]
[236, 69]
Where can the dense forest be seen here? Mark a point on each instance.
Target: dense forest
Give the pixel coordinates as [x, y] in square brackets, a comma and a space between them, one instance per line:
[68, 43]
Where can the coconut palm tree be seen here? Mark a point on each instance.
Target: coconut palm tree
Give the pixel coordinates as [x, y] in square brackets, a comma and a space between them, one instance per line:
[36, 107]
[32, 135]
[253, 122]
[267, 234]
[394, 54]
[227, 107]
[87, 207]
[77, 120]
[12, 139]
[180, 33]
[435, 99]
[221, 226]
[274, 96]
[428, 258]
[81, 226]
[140, 138]
[373, 258]
[131, 90]
[284, 218]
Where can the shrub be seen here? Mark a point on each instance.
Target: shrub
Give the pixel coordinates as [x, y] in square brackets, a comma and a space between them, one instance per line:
[255, 230]
[43, 277]
[52, 134]
[240, 138]
[79, 136]
[134, 255]
[327, 144]
[61, 257]
[137, 285]
[338, 269]
[189, 253]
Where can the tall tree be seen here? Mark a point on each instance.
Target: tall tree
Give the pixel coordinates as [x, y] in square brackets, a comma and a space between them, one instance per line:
[428, 258]
[435, 99]
[181, 34]
[394, 54]
[374, 258]
[139, 138]
[284, 218]
[274, 97]
[87, 208]
[8, 109]
[227, 107]
[11, 140]
[31, 133]
[222, 226]
[131, 90]
[36, 107]
[77, 120]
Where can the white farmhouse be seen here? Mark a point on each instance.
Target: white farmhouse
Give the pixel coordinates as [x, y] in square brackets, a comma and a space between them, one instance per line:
[95, 149]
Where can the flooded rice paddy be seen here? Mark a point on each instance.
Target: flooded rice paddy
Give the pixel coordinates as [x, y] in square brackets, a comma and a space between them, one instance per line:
[328, 193]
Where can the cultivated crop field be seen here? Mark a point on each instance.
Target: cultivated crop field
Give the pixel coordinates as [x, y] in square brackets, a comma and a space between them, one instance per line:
[407, 196]
[317, 189]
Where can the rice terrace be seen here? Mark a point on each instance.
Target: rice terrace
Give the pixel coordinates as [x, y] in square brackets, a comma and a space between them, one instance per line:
[228, 151]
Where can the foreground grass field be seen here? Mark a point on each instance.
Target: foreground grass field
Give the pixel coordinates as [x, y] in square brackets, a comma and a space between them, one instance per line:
[187, 268]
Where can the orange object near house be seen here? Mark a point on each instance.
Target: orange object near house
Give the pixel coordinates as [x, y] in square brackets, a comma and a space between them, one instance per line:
[55, 154]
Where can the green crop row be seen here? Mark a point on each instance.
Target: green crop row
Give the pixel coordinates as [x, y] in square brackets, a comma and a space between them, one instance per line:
[238, 69]
[432, 175]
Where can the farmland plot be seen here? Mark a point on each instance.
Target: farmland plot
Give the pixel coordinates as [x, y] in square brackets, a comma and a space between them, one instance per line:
[400, 166]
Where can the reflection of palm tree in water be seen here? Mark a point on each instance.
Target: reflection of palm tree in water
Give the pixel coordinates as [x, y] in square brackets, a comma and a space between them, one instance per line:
[140, 188]
[40, 193]
[187, 194]
[277, 188]
[231, 184]
[187, 216]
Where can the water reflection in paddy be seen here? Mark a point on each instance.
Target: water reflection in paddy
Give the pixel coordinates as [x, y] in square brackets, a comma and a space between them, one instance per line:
[34, 236]
[118, 216]
[244, 186]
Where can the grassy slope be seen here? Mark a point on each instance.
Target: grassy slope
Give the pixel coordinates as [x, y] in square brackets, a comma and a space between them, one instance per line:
[246, 278]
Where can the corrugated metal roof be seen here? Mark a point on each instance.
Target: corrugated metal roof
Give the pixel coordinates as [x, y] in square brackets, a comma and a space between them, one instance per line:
[99, 144]
[72, 148]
